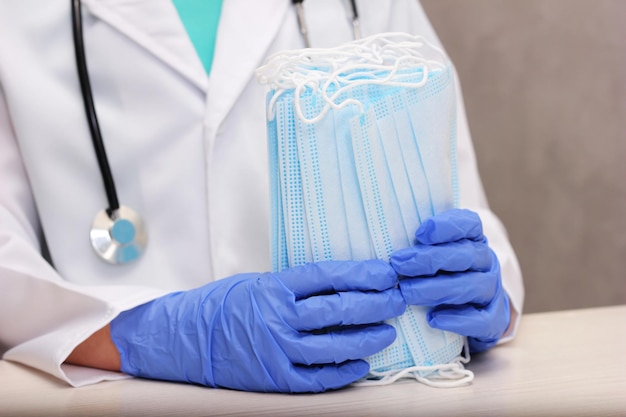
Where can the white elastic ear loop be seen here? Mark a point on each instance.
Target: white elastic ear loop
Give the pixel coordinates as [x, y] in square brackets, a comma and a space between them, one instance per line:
[448, 375]
[375, 49]
[299, 69]
[387, 81]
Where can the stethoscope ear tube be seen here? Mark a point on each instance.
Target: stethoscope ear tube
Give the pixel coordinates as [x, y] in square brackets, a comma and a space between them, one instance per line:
[118, 233]
[304, 30]
[356, 26]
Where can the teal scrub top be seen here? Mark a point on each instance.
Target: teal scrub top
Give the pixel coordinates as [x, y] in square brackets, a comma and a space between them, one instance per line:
[201, 18]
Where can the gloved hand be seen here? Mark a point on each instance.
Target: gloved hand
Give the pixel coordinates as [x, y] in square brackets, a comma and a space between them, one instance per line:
[453, 269]
[305, 329]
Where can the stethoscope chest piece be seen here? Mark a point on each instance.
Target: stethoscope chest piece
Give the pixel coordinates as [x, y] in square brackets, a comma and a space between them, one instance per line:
[120, 238]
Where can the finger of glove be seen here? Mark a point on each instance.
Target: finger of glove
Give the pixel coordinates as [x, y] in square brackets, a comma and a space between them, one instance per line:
[338, 345]
[488, 323]
[477, 288]
[327, 377]
[426, 260]
[330, 276]
[346, 308]
[450, 226]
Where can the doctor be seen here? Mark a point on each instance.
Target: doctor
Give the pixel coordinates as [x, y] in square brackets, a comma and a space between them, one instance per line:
[184, 132]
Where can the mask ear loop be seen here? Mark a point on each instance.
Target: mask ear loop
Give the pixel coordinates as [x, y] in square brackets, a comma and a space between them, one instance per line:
[360, 60]
[387, 81]
[448, 375]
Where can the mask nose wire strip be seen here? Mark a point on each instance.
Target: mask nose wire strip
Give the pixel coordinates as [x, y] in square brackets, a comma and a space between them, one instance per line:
[94, 128]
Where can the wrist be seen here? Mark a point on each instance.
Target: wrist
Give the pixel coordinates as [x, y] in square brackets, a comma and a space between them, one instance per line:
[97, 351]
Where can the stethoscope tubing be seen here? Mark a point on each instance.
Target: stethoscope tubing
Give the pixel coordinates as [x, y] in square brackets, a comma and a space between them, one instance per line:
[304, 30]
[90, 111]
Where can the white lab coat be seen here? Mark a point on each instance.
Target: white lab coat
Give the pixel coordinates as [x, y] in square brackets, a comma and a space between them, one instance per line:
[187, 151]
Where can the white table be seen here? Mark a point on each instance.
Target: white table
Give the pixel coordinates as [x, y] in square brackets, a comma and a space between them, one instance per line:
[568, 363]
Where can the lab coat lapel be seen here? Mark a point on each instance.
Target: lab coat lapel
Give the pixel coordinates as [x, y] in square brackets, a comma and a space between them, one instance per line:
[242, 42]
[156, 27]
[245, 33]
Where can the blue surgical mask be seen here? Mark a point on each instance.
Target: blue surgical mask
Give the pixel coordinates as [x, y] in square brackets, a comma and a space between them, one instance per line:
[362, 149]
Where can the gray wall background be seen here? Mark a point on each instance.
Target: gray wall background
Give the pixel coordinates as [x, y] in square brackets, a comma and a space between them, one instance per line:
[545, 89]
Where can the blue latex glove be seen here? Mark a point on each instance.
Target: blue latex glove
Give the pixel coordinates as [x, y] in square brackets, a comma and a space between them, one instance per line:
[305, 329]
[453, 269]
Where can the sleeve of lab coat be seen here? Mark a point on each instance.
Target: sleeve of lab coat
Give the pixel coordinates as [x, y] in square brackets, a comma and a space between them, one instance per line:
[43, 317]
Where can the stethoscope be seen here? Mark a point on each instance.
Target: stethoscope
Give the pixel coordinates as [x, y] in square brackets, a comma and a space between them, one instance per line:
[304, 31]
[118, 233]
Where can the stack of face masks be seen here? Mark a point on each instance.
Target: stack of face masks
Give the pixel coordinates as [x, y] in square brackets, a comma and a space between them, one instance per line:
[362, 150]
